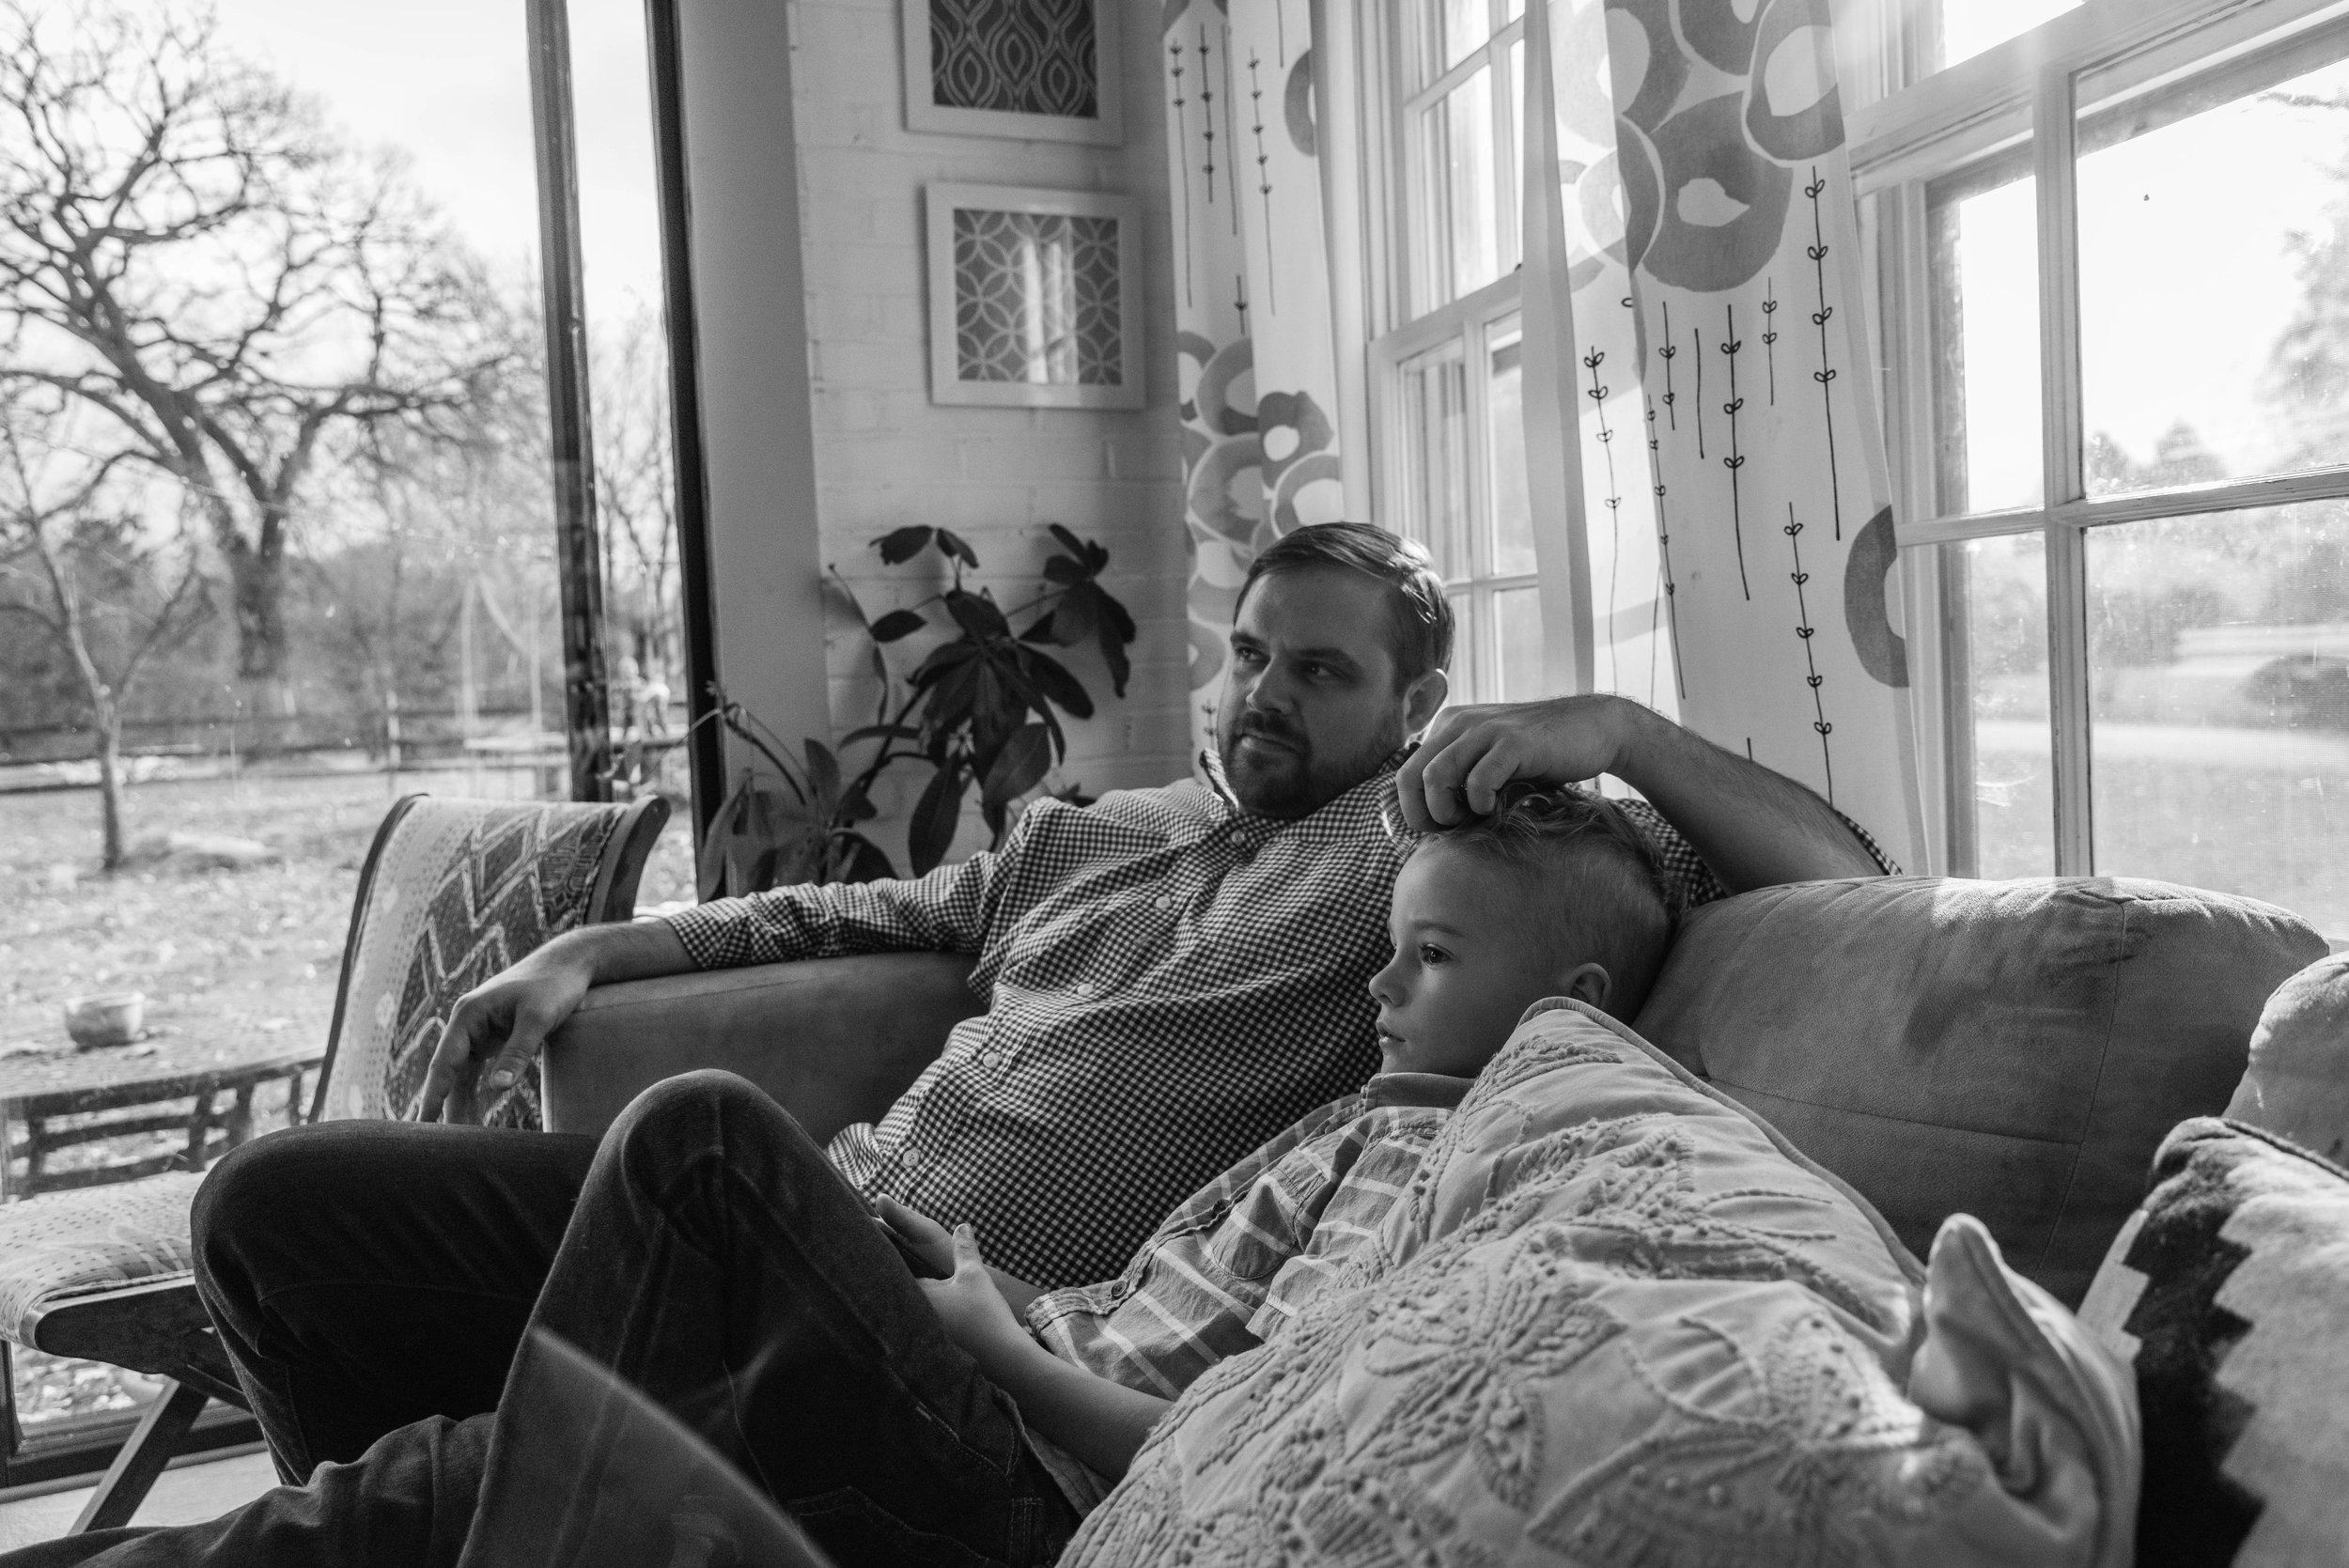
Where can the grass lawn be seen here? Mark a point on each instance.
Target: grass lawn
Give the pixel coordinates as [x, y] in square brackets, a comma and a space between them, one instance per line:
[226, 958]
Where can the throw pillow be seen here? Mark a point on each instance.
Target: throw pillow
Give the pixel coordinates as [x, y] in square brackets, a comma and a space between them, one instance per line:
[2297, 1085]
[1616, 1319]
[2229, 1291]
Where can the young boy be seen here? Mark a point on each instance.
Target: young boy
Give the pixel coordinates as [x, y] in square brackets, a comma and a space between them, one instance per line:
[1484, 925]
[717, 1261]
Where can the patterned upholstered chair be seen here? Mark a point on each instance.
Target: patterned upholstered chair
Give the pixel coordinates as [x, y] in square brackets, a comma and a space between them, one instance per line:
[452, 892]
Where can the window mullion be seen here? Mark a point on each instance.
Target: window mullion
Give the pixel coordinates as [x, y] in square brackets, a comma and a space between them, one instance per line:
[2053, 144]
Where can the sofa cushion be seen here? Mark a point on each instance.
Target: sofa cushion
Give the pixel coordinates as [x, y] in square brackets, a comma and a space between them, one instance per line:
[2297, 1085]
[2014, 1050]
[2229, 1292]
[1615, 1319]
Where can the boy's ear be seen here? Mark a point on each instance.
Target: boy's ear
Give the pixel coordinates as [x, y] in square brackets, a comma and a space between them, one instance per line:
[1588, 983]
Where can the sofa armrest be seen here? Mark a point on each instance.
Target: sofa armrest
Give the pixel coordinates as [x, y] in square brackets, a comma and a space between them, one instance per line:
[835, 1040]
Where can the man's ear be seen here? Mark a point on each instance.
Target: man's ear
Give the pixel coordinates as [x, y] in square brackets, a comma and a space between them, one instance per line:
[1424, 699]
[1588, 983]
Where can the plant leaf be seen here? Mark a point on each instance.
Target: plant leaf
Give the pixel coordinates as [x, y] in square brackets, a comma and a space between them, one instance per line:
[950, 544]
[823, 778]
[977, 615]
[858, 859]
[880, 732]
[1019, 768]
[903, 543]
[709, 879]
[931, 832]
[1067, 540]
[896, 624]
[1052, 678]
[1041, 632]
[1064, 571]
[1079, 613]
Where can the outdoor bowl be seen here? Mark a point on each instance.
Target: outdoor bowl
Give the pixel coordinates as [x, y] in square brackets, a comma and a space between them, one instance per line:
[112, 1019]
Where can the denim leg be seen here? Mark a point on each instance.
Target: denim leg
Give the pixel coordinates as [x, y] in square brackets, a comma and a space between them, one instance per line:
[406, 1503]
[365, 1275]
[718, 1261]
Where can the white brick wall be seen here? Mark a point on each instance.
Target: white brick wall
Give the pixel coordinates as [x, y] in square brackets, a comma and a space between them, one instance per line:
[885, 456]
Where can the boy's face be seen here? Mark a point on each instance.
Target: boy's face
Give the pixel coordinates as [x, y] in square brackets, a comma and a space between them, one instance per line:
[1470, 958]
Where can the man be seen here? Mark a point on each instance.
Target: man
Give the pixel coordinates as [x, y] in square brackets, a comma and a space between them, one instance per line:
[1173, 973]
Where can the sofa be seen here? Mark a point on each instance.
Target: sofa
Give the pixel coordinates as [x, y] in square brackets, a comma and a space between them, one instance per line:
[2019, 1051]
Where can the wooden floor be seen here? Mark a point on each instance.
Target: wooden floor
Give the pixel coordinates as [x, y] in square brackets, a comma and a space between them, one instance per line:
[203, 1490]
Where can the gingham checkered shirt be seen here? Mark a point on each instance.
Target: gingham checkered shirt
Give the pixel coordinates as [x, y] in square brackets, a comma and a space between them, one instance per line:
[1171, 979]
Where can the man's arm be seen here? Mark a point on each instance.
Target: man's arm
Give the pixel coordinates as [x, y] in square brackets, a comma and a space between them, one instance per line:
[1755, 827]
[512, 1012]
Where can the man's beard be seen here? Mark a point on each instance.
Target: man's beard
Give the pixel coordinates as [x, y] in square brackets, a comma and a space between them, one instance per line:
[1283, 779]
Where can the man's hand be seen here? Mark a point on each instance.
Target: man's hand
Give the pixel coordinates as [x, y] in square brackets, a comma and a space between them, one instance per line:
[1470, 752]
[510, 1013]
[976, 1316]
[499, 1026]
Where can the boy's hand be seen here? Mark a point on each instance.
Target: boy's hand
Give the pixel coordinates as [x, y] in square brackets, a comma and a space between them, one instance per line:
[976, 1316]
[917, 1233]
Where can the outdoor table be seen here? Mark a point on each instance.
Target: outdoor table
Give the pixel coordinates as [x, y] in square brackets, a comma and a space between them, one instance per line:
[217, 1084]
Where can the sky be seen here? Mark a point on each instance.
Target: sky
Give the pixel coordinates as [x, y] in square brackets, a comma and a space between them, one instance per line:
[447, 83]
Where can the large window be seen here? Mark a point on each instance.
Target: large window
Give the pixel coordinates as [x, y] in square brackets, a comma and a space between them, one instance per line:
[277, 537]
[1448, 375]
[2115, 307]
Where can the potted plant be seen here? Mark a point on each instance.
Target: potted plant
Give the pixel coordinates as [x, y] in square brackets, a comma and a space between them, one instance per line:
[983, 706]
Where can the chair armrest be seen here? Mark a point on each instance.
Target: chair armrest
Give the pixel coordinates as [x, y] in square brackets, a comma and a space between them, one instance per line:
[835, 1040]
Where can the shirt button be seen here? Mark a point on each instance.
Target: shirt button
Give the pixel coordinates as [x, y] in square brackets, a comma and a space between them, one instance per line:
[1165, 902]
[1238, 837]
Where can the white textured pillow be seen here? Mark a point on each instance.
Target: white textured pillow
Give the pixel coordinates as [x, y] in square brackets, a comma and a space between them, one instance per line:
[1618, 1321]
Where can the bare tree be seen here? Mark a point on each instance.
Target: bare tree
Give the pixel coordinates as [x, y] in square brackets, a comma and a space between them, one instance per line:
[637, 493]
[185, 252]
[111, 596]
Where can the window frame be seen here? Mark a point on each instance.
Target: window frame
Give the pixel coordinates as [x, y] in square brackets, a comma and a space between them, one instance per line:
[2022, 100]
[1407, 267]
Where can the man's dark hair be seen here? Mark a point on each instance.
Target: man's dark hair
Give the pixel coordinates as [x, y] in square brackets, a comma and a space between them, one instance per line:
[1600, 886]
[1419, 618]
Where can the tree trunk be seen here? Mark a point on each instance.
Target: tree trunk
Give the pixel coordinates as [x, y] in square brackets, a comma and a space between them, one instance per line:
[108, 721]
[257, 584]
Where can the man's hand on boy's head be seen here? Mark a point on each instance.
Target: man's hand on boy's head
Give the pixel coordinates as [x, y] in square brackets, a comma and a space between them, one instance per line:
[1470, 752]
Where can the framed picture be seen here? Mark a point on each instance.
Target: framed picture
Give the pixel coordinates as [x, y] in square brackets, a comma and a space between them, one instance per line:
[1040, 69]
[1036, 298]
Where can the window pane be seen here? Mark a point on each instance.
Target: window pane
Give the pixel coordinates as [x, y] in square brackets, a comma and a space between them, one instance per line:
[1504, 409]
[1460, 225]
[1967, 27]
[2214, 288]
[2002, 586]
[2219, 656]
[1434, 432]
[1514, 237]
[1452, 30]
[1467, 653]
[1986, 328]
[1518, 634]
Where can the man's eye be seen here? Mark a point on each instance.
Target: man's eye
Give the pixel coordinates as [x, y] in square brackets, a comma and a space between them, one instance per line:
[1247, 655]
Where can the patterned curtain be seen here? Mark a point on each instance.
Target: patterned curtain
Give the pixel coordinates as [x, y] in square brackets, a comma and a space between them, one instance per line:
[1734, 494]
[1252, 302]
[1700, 415]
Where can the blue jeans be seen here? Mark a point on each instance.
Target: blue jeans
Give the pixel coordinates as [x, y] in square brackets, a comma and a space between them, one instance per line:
[716, 1261]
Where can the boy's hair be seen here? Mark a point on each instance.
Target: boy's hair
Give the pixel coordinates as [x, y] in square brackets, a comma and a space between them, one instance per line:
[1601, 889]
[1419, 616]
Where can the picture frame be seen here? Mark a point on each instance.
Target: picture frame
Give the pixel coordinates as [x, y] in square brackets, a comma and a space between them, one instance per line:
[1072, 94]
[1035, 297]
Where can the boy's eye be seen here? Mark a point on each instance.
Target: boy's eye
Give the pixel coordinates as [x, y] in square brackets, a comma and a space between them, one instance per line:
[1430, 954]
